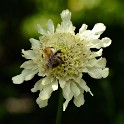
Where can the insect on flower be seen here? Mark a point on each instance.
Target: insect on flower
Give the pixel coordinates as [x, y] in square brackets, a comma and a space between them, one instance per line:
[61, 57]
[51, 58]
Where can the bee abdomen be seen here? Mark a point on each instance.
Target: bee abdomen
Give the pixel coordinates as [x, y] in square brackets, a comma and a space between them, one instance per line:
[54, 61]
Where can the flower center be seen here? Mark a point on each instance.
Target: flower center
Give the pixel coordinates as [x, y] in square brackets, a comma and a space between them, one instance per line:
[72, 54]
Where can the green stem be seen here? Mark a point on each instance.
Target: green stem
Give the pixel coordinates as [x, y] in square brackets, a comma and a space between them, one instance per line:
[60, 108]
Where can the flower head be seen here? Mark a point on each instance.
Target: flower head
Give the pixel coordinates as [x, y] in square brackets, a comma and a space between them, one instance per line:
[61, 57]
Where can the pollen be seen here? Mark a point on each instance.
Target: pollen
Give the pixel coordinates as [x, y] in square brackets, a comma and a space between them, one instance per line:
[73, 53]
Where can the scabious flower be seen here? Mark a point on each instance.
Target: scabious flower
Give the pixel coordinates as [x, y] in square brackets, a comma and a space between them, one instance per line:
[61, 57]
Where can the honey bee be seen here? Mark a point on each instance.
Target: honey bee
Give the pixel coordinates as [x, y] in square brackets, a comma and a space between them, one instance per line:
[51, 58]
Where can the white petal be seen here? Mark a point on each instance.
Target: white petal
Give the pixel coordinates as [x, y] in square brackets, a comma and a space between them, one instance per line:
[67, 91]
[94, 42]
[79, 100]
[28, 74]
[55, 85]
[62, 82]
[94, 33]
[41, 30]
[99, 63]
[66, 15]
[67, 94]
[29, 65]
[96, 54]
[77, 79]
[47, 80]
[29, 54]
[98, 29]
[83, 85]
[83, 28]
[42, 73]
[41, 103]
[18, 79]
[66, 24]
[98, 72]
[105, 72]
[35, 43]
[88, 35]
[106, 42]
[38, 86]
[50, 26]
[75, 89]
[46, 92]
[95, 72]
[65, 104]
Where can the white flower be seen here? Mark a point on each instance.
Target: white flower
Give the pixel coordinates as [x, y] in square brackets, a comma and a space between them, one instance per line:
[61, 57]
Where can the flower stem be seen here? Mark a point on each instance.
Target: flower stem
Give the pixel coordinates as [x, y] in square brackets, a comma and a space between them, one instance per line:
[60, 108]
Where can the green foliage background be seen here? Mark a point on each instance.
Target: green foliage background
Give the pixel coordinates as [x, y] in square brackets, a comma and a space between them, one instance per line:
[18, 21]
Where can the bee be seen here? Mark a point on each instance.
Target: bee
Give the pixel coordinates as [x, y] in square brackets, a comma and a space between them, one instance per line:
[51, 58]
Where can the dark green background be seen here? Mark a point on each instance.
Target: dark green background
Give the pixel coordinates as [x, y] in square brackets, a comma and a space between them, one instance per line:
[18, 21]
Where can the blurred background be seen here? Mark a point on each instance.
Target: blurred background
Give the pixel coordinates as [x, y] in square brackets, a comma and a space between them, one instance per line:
[18, 20]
